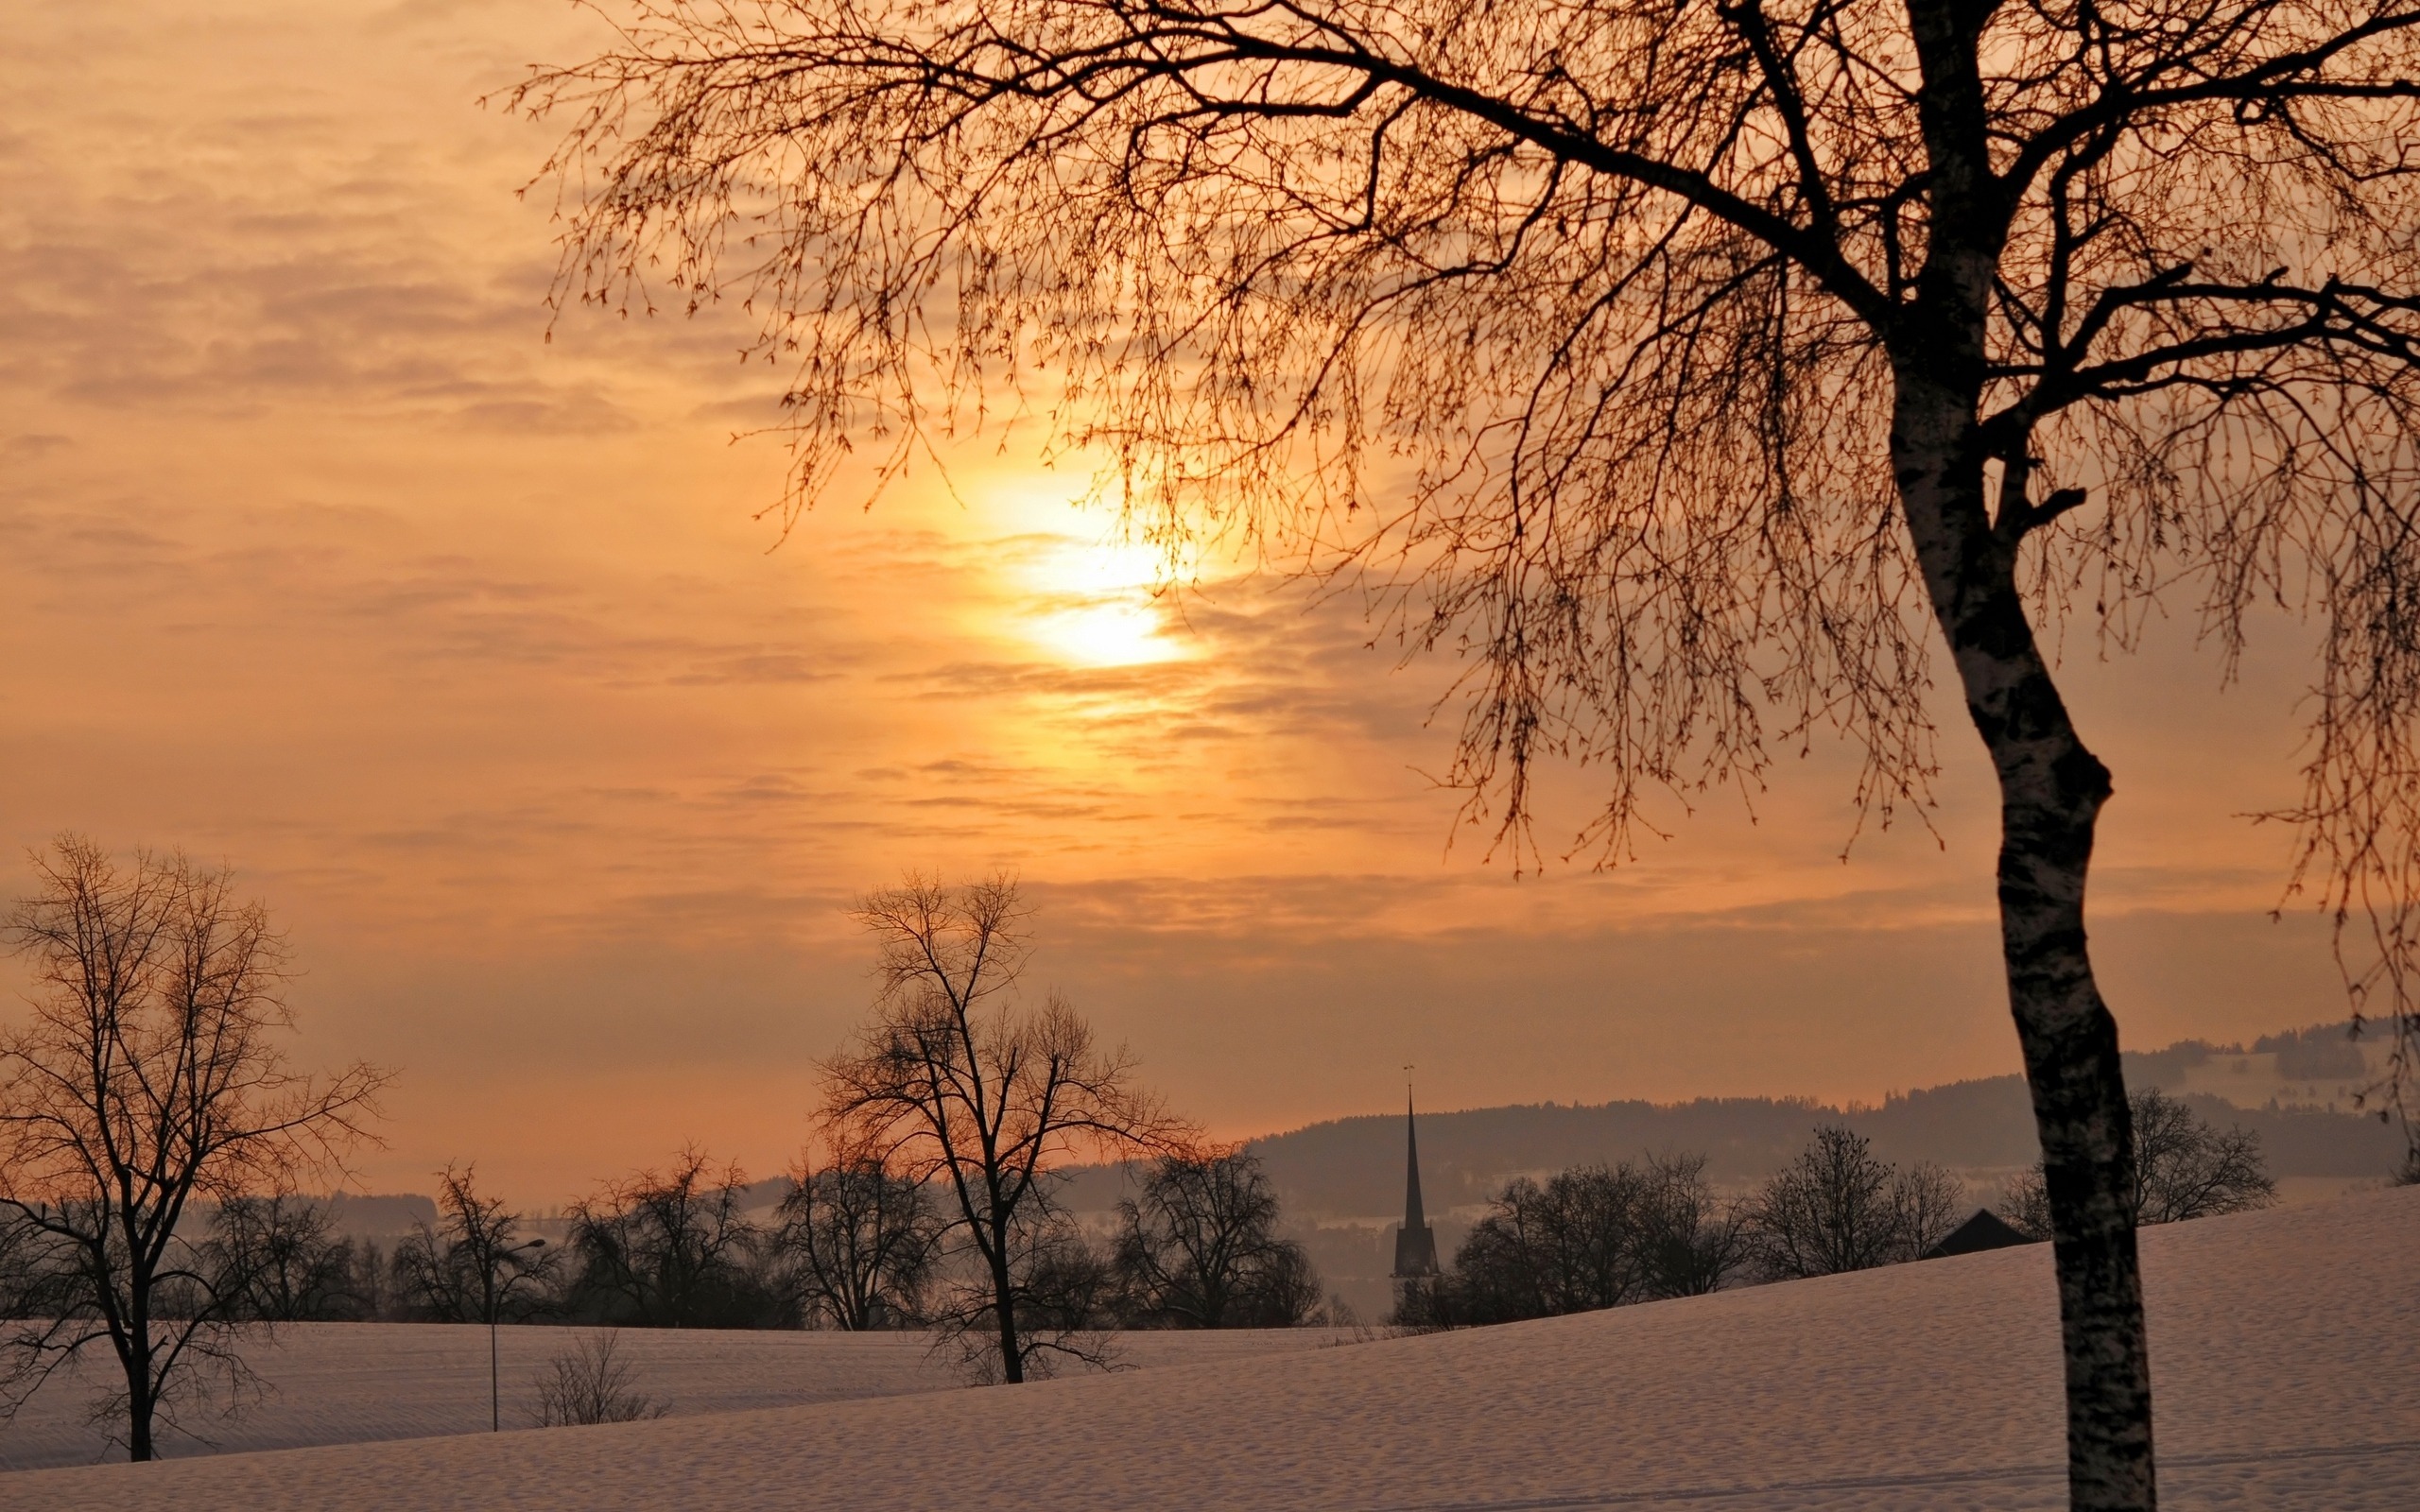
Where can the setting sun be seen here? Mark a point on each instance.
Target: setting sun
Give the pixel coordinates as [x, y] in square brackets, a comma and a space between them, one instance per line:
[1096, 605]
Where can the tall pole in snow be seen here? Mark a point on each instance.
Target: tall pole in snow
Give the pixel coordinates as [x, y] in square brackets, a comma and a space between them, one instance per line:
[495, 1304]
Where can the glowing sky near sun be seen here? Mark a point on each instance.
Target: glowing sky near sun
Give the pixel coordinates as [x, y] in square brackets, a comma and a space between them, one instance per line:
[470, 651]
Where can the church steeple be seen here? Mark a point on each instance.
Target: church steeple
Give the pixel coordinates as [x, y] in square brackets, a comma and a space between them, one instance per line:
[1415, 1242]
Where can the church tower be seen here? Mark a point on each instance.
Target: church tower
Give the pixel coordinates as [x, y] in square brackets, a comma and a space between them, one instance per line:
[1415, 1242]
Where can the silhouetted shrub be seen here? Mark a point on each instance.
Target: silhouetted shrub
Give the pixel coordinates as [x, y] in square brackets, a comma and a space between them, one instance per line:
[590, 1383]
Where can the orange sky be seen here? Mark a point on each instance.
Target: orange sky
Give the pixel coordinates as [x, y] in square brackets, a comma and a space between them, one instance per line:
[466, 650]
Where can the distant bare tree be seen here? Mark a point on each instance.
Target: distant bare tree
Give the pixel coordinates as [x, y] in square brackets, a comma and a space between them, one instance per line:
[862, 1240]
[21, 1268]
[671, 1250]
[1589, 1237]
[474, 1266]
[1198, 1247]
[1692, 1240]
[151, 1077]
[1930, 1203]
[591, 1382]
[2185, 1167]
[1571, 1243]
[1837, 1208]
[1690, 371]
[278, 1258]
[958, 1084]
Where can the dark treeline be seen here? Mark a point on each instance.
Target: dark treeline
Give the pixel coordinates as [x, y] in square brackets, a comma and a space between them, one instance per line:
[849, 1246]
[1597, 1236]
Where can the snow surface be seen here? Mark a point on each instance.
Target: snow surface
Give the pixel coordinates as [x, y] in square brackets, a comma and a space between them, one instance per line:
[351, 1383]
[2283, 1345]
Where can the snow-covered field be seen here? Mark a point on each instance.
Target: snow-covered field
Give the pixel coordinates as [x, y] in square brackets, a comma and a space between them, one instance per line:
[351, 1383]
[2284, 1346]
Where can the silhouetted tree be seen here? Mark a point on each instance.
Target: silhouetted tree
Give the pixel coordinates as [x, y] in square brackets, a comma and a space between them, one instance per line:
[277, 1259]
[2185, 1167]
[861, 1241]
[1590, 1237]
[22, 1251]
[1071, 1297]
[1198, 1247]
[956, 1084]
[671, 1250]
[1693, 1241]
[151, 1077]
[1836, 1207]
[1570, 1244]
[1675, 364]
[474, 1266]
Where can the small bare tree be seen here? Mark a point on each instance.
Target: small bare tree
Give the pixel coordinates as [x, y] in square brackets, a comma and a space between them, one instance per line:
[1694, 1240]
[862, 1241]
[151, 1077]
[591, 1382]
[958, 1082]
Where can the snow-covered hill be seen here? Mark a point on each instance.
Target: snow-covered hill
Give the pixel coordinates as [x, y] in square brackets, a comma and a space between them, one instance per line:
[2283, 1345]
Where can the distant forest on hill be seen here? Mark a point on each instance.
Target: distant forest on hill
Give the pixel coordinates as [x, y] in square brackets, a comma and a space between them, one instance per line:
[1351, 1168]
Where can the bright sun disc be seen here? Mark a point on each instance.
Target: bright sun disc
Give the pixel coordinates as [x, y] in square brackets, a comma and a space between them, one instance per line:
[1096, 606]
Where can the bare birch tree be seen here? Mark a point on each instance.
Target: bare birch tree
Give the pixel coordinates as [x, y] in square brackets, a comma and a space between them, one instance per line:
[958, 1084]
[1691, 372]
[149, 1077]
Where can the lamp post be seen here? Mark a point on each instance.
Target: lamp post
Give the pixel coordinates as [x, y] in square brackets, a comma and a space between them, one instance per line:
[495, 1302]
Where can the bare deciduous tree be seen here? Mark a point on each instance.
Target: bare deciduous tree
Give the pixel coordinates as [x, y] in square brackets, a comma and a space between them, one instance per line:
[1693, 1241]
[474, 1266]
[1836, 1207]
[1566, 1244]
[958, 1082]
[1198, 1247]
[2185, 1167]
[151, 1077]
[671, 1250]
[1685, 368]
[277, 1259]
[862, 1240]
[1592, 1236]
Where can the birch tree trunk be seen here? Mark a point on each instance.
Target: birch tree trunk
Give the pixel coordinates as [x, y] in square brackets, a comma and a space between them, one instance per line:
[2051, 790]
